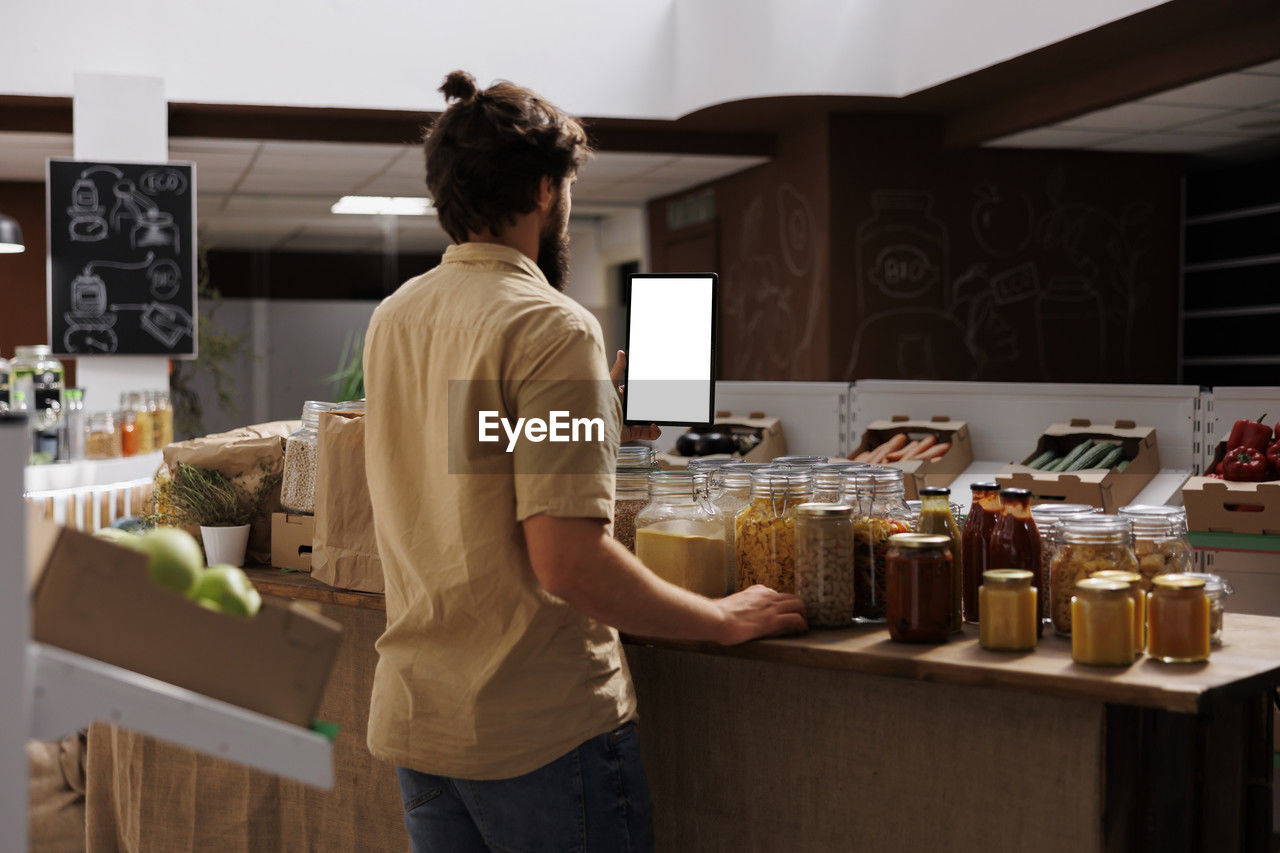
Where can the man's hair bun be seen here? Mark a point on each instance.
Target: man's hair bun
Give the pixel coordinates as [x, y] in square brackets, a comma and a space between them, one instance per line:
[459, 86]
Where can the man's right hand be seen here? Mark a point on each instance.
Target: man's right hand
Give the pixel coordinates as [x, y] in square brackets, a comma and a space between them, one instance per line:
[758, 611]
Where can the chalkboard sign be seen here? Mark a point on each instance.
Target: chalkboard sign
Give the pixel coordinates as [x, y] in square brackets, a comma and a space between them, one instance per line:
[122, 276]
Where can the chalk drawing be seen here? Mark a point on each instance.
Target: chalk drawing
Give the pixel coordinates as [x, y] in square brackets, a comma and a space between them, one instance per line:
[88, 224]
[1001, 220]
[167, 323]
[151, 225]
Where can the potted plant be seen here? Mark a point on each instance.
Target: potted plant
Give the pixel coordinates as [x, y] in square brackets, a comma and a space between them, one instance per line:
[212, 501]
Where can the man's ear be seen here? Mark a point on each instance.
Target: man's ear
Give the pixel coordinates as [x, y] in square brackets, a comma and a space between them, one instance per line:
[546, 193]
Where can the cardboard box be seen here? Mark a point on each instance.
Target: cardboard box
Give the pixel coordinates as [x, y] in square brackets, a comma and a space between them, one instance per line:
[772, 442]
[291, 537]
[96, 598]
[1218, 506]
[918, 473]
[1100, 487]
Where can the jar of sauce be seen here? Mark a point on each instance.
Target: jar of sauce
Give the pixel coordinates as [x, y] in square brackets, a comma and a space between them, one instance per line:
[1136, 592]
[1102, 619]
[975, 541]
[936, 517]
[918, 569]
[1178, 619]
[1009, 612]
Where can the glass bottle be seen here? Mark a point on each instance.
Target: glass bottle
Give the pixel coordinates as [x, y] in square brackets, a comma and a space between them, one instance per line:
[730, 488]
[631, 490]
[1159, 540]
[765, 534]
[1134, 580]
[144, 426]
[680, 535]
[127, 426]
[918, 587]
[1178, 619]
[975, 541]
[1011, 615]
[936, 517]
[1102, 612]
[301, 456]
[824, 563]
[1015, 542]
[102, 438]
[1047, 516]
[41, 376]
[827, 480]
[71, 430]
[1089, 543]
[877, 495]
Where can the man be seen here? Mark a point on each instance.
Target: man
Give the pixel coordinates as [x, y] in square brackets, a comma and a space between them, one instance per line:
[502, 693]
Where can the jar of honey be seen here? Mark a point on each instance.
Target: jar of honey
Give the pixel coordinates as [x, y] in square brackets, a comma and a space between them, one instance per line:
[918, 592]
[1139, 596]
[1178, 619]
[1102, 623]
[1010, 614]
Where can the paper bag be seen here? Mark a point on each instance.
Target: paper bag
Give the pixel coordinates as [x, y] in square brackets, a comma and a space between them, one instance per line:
[245, 455]
[345, 552]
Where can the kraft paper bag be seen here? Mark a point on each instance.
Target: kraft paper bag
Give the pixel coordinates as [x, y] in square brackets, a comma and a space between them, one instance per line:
[246, 455]
[344, 553]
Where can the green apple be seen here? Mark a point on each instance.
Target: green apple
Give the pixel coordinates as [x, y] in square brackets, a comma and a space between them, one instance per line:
[118, 536]
[176, 558]
[229, 589]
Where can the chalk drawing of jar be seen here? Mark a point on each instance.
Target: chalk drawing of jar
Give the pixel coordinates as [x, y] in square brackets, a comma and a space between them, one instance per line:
[902, 253]
[1072, 330]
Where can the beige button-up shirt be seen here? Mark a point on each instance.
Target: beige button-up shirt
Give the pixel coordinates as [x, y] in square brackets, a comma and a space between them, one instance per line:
[482, 674]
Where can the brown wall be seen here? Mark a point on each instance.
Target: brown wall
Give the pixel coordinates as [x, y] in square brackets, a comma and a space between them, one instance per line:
[945, 264]
[22, 308]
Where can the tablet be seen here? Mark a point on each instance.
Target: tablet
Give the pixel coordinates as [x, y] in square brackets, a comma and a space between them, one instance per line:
[671, 349]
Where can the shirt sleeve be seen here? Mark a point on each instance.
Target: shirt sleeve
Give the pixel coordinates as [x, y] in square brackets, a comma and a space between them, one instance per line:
[565, 467]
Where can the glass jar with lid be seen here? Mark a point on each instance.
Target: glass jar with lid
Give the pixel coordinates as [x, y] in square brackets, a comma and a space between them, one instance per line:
[765, 530]
[1046, 516]
[1089, 543]
[1010, 615]
[102, 439]
[1159, 540]
[1134, 580]
[36, 372]
[824, 563]
[301, 455]
[1217, 590]
[631, 490]
[680, 535]
[164, 419]
[828, 480]
[919, 568]
[135, 402]
[150, 399]
[937, 517]
[878, 497]
[798, 461]
[127, 426]
[1102, 612]
[1178, 627]
[730, 488]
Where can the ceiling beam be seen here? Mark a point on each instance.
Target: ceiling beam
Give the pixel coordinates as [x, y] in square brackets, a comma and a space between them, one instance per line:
[1168, 46]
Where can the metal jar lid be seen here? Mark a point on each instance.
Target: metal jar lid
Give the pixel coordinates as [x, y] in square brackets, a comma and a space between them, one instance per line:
[1007, 577]
[824, 510]
[919, 540]
[1177, 581]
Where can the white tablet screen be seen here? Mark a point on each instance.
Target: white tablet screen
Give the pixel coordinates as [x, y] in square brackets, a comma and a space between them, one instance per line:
[671, 349]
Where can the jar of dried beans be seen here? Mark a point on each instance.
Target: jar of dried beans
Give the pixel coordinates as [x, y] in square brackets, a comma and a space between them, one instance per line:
[631, 490]
[765, 530]
[824, 563]
[877, 496]
[301, 452]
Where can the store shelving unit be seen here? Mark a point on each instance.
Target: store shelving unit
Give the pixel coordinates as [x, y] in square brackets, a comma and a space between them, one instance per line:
[50, 692]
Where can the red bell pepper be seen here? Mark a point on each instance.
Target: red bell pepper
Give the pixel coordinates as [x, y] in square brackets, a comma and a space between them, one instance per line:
[1244, 465]
[1273, 459]
[1247, 433]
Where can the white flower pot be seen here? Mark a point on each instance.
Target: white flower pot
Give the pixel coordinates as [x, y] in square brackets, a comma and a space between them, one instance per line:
[225, 546]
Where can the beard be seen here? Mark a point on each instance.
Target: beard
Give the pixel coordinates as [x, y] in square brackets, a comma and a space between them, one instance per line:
[553, 247]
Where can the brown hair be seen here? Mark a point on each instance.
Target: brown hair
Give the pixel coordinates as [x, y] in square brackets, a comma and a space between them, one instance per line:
[487, 152]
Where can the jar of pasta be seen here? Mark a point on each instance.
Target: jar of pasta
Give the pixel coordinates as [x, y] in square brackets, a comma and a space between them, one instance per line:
[631, 490]
[1102, 612]
[765, 530]
[1159, 540]
[1046, 516]
[877, 496]
[827, 479]
[1088, 544]
[824, 563]
[679, 533]
[730, 488]
[1178, 619]
[301, 453]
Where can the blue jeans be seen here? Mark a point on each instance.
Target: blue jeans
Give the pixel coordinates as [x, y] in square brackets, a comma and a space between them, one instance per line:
[592, 798]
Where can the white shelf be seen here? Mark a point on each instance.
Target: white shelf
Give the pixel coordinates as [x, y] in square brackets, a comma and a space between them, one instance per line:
[69, 691]
[88, 473]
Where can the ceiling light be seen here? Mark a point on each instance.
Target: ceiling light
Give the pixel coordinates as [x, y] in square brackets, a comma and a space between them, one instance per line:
[10, 236]
[382, 205]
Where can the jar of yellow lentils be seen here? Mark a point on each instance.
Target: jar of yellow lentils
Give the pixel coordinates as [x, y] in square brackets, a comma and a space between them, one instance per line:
[765, 529]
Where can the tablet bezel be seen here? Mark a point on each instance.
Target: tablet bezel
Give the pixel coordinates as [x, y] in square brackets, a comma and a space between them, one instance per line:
[711, 368]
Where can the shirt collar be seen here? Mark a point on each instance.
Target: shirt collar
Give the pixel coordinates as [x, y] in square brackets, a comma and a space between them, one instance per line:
[462, 253]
